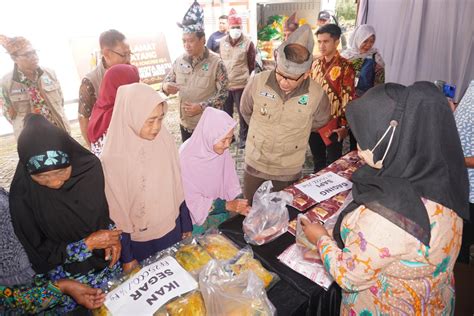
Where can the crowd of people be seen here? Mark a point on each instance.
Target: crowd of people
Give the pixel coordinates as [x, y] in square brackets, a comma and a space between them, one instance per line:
[77, 217]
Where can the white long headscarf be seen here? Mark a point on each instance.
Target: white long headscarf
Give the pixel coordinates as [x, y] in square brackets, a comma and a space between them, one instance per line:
[360, 34]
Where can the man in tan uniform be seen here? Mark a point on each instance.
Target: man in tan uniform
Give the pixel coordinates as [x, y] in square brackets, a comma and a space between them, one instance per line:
[282, 107]
[29, 88]
[198, 75]
[238, 54]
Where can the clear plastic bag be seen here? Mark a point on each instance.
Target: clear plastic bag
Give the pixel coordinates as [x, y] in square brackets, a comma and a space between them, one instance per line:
[190, 255]
[244, 261]
[227, 294]
[217, 245]
[268, 218]
[191, 304]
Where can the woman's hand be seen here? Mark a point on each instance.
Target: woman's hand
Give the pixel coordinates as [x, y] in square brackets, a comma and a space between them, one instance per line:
[313, 231]
[103, 239]
[129, 266]
[112, 254]
[240, 206]
[84, 295]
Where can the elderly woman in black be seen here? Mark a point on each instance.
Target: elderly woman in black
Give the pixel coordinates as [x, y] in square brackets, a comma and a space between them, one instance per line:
[58, 207]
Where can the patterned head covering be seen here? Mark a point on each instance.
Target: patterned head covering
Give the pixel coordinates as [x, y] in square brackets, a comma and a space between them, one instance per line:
[234, 18]
[14, 44]
[193, 20]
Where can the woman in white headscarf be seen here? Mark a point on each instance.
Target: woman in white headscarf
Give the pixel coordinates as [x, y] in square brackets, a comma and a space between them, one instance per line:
[365, 58]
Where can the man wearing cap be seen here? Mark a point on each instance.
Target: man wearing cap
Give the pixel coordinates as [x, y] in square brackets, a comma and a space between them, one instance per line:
[238, 54]
[336, 75]
[282, 106]
[198, 75]
[29, 88]
[216, 37]
[324, 17]
[114, 50]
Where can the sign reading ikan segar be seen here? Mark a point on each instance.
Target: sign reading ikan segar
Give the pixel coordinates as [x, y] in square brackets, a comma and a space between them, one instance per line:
[151, 56]
[325, 186]
[150, 288]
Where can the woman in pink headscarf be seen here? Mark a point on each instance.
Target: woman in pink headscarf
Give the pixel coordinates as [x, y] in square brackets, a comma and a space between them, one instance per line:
[210, 182]
[114, 77]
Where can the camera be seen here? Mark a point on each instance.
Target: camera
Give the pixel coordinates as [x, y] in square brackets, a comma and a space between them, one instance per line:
[448, 90]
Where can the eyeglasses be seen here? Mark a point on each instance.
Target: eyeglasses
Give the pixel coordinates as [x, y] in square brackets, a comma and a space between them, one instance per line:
[288, 78]
[125, 55]
[28, 54]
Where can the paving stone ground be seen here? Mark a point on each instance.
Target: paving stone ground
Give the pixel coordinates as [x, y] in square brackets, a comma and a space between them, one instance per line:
[9, 156]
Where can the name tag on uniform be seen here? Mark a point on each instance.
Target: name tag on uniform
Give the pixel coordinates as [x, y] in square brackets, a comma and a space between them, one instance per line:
[17, 91]
[185, 68]
[267, 95]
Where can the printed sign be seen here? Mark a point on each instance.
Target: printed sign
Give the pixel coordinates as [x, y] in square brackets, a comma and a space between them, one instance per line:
[151, 56]
[150, 288]
[324, 187]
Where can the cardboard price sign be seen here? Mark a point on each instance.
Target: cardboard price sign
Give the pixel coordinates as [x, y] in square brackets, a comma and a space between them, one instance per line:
[324, 187]
[150, 288]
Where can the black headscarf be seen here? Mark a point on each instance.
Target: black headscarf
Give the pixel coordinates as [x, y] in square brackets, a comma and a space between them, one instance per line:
[425, 158]
[47, 220]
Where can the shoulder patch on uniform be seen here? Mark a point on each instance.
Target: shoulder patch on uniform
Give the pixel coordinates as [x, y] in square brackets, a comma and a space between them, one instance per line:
[303, 100]
[46, 80]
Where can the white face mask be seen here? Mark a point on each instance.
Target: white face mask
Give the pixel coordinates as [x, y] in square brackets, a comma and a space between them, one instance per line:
[368, 155]
[235, 33]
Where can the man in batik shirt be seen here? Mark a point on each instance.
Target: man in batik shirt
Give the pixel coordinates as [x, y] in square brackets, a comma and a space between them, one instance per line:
[336, 75]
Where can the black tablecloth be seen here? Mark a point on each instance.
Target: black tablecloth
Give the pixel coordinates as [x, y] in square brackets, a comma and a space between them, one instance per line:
[294, 294]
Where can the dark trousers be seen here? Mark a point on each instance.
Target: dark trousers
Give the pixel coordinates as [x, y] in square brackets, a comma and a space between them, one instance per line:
[234, 100]
[252, 183]
[467, 237]
[323, 155]
[185, 134]
[352, 141]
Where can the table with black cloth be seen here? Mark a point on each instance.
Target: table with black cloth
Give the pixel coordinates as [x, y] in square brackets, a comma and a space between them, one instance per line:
[294, 294]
